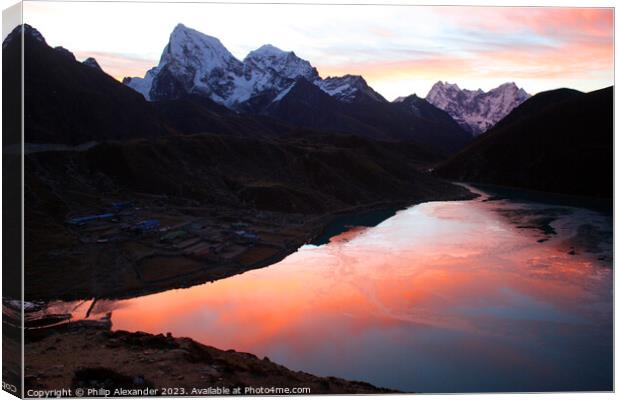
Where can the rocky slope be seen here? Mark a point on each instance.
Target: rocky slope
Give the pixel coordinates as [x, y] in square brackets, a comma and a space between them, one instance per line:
[90, 357]
[350, 89]
[476, 110]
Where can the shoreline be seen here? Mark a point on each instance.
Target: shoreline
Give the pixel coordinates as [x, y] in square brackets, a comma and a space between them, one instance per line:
[237, 369]
[96, 348]
[314, 227]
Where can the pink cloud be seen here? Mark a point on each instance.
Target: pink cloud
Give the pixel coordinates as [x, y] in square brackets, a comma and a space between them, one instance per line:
[553, 21]
[581, 47]
[118, 65]
[558, 43]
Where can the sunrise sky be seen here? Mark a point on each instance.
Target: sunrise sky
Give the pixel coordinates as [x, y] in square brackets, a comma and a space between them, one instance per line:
[399, 50]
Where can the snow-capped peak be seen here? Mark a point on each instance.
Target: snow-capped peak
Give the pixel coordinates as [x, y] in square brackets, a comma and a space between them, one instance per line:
[476, 110]
[270, 60]
[195, 63]
[348, 88]
[444, 86]
[189, 48]
[267, 50]
[191, 62]
[508, 85]
[182, 33]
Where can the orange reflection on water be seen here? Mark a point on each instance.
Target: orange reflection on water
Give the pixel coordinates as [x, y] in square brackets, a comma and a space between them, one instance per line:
[445, 280]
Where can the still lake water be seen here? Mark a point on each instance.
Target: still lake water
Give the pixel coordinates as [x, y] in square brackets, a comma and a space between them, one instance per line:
[460, 296]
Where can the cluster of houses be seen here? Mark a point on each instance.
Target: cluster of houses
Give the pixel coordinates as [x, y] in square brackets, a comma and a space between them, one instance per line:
[238, 231]
[139, 227]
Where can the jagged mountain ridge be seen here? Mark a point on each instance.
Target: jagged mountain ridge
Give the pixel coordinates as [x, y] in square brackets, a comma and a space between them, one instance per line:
[476, 110]
[416, 120]
[349, 88]
[278, 84]
[71, 102]
[195, 63]
[69, 87]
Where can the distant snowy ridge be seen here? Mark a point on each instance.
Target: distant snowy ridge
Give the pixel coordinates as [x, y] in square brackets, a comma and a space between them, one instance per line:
[195, 63]
[476, 110]
[348, 88]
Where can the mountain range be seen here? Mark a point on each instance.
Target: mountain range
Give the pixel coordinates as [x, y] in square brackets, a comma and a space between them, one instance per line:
[70, 102]
[279, 99]
[195, 63]
[199, 87]
[278, 84]
[476, 110]
[303, 150]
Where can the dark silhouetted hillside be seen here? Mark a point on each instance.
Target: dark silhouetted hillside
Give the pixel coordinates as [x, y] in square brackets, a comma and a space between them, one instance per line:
[413, 121]
[292, 175]
[558, 141]
[70, 102]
